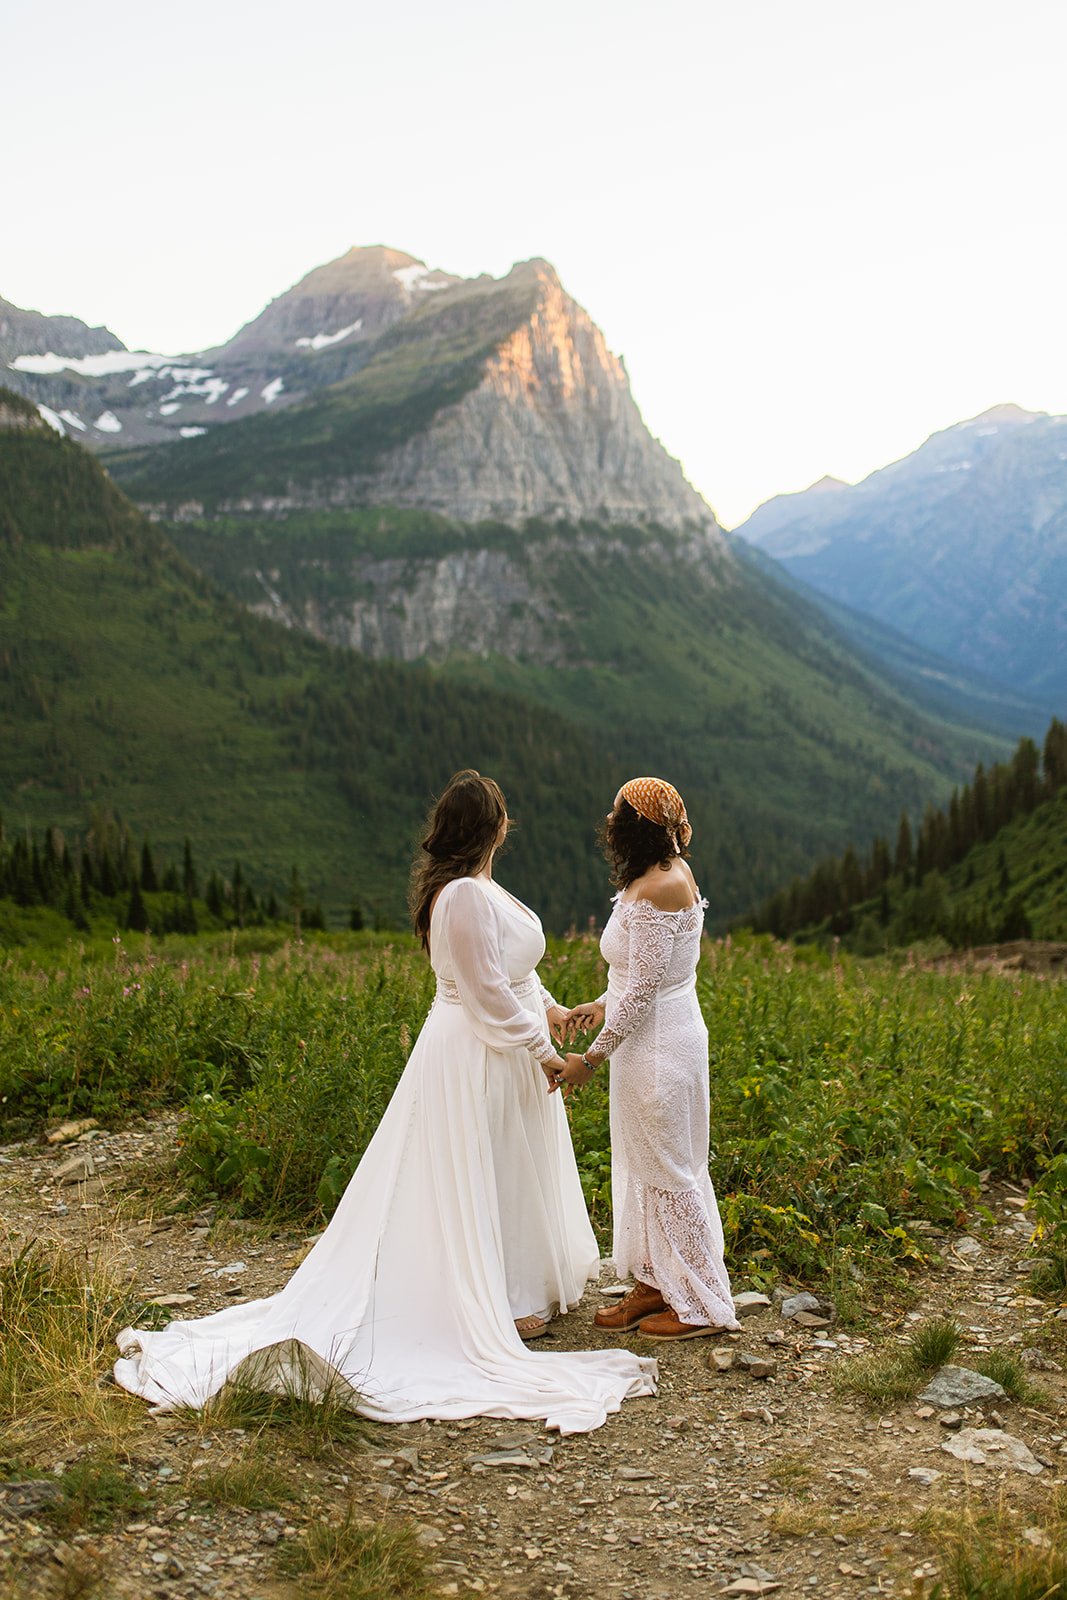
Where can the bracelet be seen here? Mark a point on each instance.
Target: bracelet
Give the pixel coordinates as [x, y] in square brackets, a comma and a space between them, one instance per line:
[590, 1065]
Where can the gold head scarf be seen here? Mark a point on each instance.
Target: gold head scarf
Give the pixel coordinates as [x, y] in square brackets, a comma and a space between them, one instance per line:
[659, 801]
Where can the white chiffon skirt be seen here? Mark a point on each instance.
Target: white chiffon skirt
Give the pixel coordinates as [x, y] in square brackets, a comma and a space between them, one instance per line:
[465, 1213]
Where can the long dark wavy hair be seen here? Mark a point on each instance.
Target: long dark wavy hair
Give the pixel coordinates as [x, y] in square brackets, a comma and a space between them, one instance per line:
[461, 830]
[631, 844]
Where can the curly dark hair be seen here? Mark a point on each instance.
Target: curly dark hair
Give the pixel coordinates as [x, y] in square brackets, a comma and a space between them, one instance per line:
[461, 830]
[631, 844]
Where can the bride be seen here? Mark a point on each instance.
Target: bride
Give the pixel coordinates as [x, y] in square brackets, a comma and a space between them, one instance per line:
[463, 1229]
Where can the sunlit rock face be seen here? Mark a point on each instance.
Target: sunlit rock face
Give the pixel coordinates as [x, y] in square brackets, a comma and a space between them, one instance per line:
[551, 430]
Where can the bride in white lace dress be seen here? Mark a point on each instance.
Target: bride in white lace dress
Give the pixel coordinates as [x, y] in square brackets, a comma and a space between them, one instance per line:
[463, 1228]
[668, 1233]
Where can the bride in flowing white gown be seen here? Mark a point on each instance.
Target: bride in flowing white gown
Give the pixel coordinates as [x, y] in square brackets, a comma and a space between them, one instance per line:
[464, 1217]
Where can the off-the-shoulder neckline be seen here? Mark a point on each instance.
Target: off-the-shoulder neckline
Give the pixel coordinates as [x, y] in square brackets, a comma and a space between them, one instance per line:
[698, 904]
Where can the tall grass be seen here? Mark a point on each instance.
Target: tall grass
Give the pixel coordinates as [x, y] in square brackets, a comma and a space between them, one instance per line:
[848, 1098]
[59, 1314]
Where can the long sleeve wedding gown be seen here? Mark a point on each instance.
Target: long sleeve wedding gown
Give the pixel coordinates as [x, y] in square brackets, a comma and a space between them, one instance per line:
[465, 1212]
[668, 1232]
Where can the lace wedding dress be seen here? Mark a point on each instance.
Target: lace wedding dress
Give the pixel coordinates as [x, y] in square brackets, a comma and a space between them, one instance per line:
[667, 1227]
[465, 1212]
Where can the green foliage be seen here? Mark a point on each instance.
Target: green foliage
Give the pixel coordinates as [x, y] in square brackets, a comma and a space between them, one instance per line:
[933, 1343]
[991, 866]
[98, 1492]
[128, 686]
[848, 1099]
[1047, 1202]
[1007, 1370]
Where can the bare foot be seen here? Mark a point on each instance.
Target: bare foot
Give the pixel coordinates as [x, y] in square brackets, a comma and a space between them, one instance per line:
[530, 1327]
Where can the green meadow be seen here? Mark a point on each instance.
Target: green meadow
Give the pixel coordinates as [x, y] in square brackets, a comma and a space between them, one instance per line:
[850, 1099]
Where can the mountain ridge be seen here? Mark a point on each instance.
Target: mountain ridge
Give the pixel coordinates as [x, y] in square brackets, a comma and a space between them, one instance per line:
[983, 502]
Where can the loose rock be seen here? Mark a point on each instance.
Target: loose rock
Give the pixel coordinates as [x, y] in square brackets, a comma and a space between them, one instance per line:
[992, 1447]
[756, 1366]
[960, 1386]
[750, 1304]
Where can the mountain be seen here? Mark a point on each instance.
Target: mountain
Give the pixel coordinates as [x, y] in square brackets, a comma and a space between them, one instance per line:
[937, 686]
[484, 398]
[129, 684]
[377, 380]
[30, 333]
[961, 546]
[471, 491]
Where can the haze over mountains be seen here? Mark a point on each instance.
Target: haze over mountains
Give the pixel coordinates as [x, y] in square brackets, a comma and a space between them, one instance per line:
[431, 470]
[961, 546]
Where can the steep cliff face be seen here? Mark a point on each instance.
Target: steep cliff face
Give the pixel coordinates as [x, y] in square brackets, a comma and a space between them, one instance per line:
[551, 430]
[487, 601]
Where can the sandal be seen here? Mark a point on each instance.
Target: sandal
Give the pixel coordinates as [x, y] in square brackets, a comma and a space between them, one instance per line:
[531, 1327]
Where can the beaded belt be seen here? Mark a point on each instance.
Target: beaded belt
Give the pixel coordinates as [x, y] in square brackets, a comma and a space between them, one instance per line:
[448, 990]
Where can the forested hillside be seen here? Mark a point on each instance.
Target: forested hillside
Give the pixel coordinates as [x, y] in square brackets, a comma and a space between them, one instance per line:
[991, 865]
[127, 683]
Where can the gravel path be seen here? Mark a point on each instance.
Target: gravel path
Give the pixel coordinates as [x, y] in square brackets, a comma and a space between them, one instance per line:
[724, 1483]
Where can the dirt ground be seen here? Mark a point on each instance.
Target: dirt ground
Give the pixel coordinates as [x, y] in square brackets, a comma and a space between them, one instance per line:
[723, 1483]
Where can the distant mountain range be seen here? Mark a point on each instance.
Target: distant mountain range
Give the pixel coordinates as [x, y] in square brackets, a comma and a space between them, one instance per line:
[453, 474]
[961, 547]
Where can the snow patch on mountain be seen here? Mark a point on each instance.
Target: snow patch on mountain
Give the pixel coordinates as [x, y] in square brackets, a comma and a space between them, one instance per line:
[52, 419]
[414, 278]
[102, 366]
[272, 390]
[319, 341]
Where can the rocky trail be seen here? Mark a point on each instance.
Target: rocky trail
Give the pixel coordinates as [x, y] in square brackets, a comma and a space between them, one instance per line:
[751, 1472]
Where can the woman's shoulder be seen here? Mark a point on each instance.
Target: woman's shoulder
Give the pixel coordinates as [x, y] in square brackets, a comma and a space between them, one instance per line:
[671, 891]
[459, 891]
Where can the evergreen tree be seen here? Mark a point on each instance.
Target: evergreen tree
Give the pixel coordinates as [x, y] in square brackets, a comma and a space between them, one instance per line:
[189, 884]
[1054, 756]
[149, 880]
[213, 896]
[355, 917]
[902, 859]
[296, 899]
[136, 911]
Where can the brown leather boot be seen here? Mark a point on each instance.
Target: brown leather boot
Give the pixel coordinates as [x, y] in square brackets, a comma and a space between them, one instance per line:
[669, 1326]
[642, 1301]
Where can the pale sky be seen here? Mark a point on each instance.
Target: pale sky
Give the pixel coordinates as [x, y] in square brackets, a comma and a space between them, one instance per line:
[816, 231]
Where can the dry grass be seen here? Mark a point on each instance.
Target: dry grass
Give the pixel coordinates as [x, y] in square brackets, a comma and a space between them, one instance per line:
[360, 1560]
[798, 1518]
[254, 1482]
[60, 1312]
[298, 1399]
[1000, 1551]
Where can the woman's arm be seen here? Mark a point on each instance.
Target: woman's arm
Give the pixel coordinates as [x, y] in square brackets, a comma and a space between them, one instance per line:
[651, 944]
[498, 1019]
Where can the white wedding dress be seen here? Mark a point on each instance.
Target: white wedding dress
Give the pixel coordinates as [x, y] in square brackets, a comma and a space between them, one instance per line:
[668, 1232]
[465, 1212]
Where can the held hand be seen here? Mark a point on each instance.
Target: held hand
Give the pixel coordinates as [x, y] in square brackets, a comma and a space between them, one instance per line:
[557, 1022]
[585, 1018]
[553, 1070]
[575, 1071]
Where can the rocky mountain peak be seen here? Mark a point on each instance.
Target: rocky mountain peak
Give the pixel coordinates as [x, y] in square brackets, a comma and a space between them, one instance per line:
[31, 333]
[1007, 415]
[346, 301]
